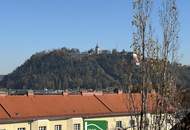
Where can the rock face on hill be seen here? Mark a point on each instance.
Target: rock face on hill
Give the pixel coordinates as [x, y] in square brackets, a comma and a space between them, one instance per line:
[70, 69]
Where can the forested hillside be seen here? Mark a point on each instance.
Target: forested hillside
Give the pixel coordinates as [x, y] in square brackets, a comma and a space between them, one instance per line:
[184, 76]
[70, 69]
[1, 77]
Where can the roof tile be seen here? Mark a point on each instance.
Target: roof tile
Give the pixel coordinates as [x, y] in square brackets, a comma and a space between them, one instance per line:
[58, 105]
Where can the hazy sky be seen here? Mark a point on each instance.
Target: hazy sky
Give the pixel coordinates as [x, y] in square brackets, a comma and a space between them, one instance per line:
[30, 26]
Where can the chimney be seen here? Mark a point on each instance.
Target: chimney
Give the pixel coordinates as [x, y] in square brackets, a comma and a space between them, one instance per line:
[30, 93]
[153, 91]
[65, 93]
[3, 93]
[120, 91]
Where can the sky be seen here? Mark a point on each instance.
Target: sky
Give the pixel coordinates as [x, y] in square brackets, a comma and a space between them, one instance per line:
[30, 26]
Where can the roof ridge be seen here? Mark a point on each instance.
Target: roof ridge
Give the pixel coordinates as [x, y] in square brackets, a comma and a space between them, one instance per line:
[103, 103]
[5, 110]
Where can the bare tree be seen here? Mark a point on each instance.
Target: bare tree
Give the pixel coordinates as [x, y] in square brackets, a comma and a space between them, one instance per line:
[141, 22]
[170, 30]
[156, 58]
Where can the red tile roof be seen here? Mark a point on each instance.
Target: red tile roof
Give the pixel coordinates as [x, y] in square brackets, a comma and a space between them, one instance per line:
[127, 103]
[36, 106]
[3, 114]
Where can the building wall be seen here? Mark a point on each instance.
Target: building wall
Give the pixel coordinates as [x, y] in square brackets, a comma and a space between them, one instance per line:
[72, 121]
[63, 123]
[50, 125]
[38, 123]
[126, 122]
[15, 126]
[67, 124]
[112, 121]
[124, 119]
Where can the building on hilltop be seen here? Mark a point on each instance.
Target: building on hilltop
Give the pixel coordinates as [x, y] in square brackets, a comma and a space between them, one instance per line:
[97, 49]
[85, 111]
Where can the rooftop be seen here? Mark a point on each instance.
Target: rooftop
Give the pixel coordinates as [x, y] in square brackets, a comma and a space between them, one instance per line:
[26, 107]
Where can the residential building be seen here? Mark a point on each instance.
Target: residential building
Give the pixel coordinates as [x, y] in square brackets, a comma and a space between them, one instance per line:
[85, 111]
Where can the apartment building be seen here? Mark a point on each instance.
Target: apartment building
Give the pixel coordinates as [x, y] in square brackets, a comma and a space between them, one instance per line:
[85, 111]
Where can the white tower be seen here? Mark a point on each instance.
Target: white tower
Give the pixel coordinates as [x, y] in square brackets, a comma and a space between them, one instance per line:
[97, 49]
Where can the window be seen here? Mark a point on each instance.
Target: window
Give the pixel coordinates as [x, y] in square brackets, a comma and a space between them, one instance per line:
[76, 126]
[21, 129]
[42, 128]
[58, 127]
[132, 123]
[119, 124]
[146, 122]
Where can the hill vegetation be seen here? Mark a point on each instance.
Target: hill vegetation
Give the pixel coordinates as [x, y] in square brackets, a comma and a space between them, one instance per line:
[71, 69]
[1, 77]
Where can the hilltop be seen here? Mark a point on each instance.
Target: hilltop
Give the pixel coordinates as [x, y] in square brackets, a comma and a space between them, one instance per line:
[71, 69]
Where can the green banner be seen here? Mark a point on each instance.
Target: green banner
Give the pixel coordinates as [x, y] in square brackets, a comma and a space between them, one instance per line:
[95, 125]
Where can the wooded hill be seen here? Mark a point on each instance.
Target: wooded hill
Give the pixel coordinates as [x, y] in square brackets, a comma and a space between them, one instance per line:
[1, 77]
[71, 69]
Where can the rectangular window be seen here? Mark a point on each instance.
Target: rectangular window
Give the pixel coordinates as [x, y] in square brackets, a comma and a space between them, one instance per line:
[21, 129]
[76, 126]
[119, 124]
[42, 128]
[58, 127]
[132, 123]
